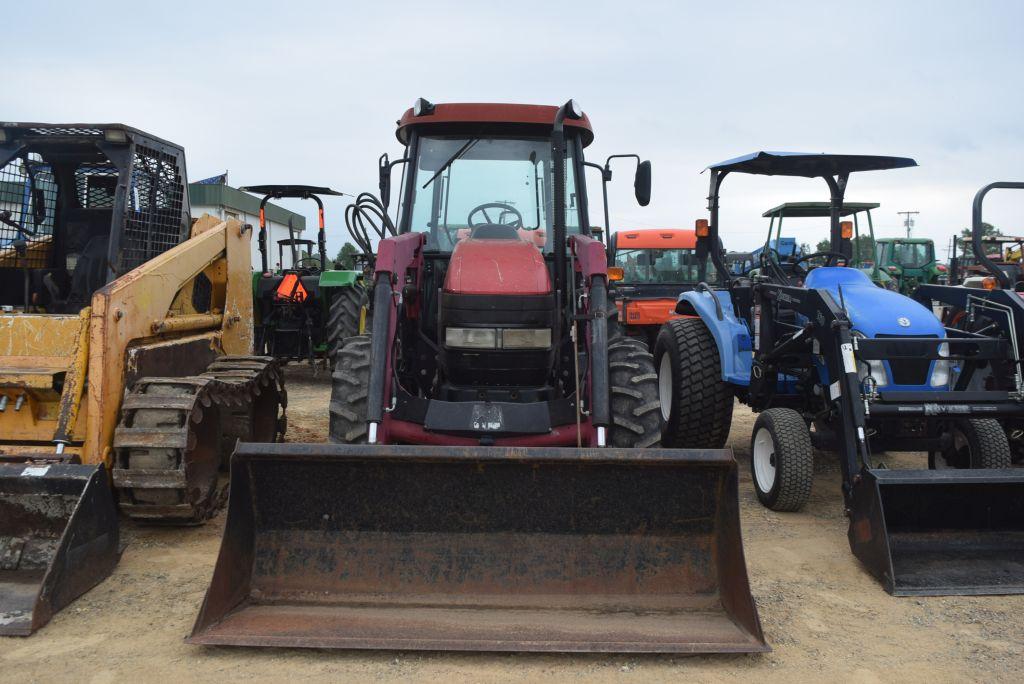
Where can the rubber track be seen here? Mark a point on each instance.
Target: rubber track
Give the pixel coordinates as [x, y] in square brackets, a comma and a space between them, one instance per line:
[168, 419]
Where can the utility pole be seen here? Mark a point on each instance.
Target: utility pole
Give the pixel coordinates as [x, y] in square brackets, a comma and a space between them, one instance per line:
[907, 220]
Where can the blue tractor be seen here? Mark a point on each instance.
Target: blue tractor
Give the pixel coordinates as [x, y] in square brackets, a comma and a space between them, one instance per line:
[828, 360]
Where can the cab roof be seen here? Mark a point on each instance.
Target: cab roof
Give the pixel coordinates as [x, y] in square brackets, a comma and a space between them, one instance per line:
[656, 238]
[472, 116]
[818, 209]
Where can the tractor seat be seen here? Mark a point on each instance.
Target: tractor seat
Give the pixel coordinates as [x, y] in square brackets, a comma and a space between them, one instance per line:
[494, 231]
[90, 272]
[831, 277]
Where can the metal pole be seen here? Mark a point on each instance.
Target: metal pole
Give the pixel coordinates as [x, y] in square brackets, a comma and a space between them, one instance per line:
[908, 222]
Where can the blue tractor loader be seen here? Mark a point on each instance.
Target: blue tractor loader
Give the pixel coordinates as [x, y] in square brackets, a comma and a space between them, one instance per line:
[829, 360]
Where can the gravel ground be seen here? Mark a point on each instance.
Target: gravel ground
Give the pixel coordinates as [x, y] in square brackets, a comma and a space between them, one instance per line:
[823, 615]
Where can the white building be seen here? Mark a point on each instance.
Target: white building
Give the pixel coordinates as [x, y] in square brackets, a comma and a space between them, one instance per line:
[224, 202]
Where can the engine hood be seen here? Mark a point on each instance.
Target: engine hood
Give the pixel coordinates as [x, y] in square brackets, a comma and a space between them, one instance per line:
[497, 267]
[872, 310]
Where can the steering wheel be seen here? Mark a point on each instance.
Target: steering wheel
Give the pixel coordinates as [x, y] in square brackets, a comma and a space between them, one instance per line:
[313, 261]
[831, 259]
[517, 223]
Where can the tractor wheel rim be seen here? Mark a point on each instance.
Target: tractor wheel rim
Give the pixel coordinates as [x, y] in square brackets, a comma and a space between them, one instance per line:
[665, 386]
[764, 460]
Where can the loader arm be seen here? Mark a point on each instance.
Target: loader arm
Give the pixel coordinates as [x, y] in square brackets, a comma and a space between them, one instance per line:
[137, 308]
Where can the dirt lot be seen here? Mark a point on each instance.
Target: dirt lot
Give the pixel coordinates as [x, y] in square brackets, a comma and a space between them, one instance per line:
[825, 618]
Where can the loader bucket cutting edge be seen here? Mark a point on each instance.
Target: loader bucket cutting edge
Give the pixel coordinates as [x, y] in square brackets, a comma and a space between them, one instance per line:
[58, 539]
[941, 532]
[481, 549]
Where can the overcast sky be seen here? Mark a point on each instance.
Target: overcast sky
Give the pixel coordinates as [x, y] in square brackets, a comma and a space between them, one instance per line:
[308, 92]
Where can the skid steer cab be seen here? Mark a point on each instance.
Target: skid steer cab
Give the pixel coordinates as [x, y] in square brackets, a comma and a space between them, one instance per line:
[305, 310]
[494, 482]
[831, 361]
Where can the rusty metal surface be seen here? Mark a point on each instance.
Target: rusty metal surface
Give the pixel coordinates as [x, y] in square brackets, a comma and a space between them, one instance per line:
[58, 539]
[481, 548]
[941, 532]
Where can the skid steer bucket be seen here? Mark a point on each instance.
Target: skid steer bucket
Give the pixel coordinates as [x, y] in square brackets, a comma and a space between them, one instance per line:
[58, 539]
[941, 532]
[481, 548]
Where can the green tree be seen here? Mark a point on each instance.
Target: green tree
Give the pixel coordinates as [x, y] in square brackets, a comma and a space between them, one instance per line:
[804, 248]
[864, 248]
[987, 230]
[346, 257]
[823, 246]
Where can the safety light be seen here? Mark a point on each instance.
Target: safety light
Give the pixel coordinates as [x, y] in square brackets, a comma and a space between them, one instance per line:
[702, 228]
[846, 229]
[115, 135]
[616, 273]
[422, 107]
[941, 268]
[989, 283]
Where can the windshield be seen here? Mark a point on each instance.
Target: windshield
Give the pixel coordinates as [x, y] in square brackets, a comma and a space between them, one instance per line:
[676, 266]
[911, 253]
[463, 183]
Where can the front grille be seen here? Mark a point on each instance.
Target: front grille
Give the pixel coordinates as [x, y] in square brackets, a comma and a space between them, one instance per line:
[909, 371]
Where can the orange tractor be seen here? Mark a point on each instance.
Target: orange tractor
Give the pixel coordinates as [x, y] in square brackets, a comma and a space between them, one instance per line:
[653, 266]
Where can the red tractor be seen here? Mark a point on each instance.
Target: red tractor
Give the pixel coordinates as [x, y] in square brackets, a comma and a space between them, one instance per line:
[494, 482]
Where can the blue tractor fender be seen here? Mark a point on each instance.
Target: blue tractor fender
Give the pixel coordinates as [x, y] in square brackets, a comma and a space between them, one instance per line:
[731, 335]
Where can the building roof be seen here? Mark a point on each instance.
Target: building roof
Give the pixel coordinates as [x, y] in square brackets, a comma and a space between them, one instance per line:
[234, 199]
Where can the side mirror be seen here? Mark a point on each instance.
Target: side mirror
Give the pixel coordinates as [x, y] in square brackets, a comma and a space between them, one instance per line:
[384, 180]
[642, 183]
[597, 231]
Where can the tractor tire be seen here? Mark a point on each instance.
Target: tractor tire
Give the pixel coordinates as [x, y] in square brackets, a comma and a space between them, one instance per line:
[343, 318]
[781, 460]
[635, 412]
[696, 404]
[977, 443]
[350, 385]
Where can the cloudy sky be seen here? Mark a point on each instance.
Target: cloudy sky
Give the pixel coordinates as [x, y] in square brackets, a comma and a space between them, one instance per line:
[309, 92]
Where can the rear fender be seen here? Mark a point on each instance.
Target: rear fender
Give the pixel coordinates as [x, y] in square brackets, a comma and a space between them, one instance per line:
[731, 335]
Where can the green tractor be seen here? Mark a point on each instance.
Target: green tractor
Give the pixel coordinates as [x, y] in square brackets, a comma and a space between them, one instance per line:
[307, 310]
[910, 262]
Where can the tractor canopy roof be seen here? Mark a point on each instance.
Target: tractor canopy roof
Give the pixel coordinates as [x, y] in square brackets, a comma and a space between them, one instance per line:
[288, 242]
[818, 209]
[477, 117]
[75, 133]
[656, 238]
[906, 240]
[278, 191]
[809, 165]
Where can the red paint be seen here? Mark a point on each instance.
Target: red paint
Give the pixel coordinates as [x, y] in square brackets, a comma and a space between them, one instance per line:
[402, 432]
[657, 238]
[496, 267]
[491, 113]
[590, 257]
[397, 254]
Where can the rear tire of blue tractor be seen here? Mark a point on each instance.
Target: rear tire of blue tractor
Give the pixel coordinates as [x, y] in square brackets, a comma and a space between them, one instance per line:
[781, 460]
[696, 403]
[976, 443]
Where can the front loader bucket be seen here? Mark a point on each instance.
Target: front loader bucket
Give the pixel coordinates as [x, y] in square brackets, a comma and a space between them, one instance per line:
[481, 549]
[941, 532]
[58, 539]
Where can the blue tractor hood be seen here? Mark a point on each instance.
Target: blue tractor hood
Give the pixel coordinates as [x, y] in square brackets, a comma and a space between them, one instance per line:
[873, 310]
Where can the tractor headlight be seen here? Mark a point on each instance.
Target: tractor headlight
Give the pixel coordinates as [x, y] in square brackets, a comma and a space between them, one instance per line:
[533, 338]
[874, 367]
[940, 372]
[471, 338]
